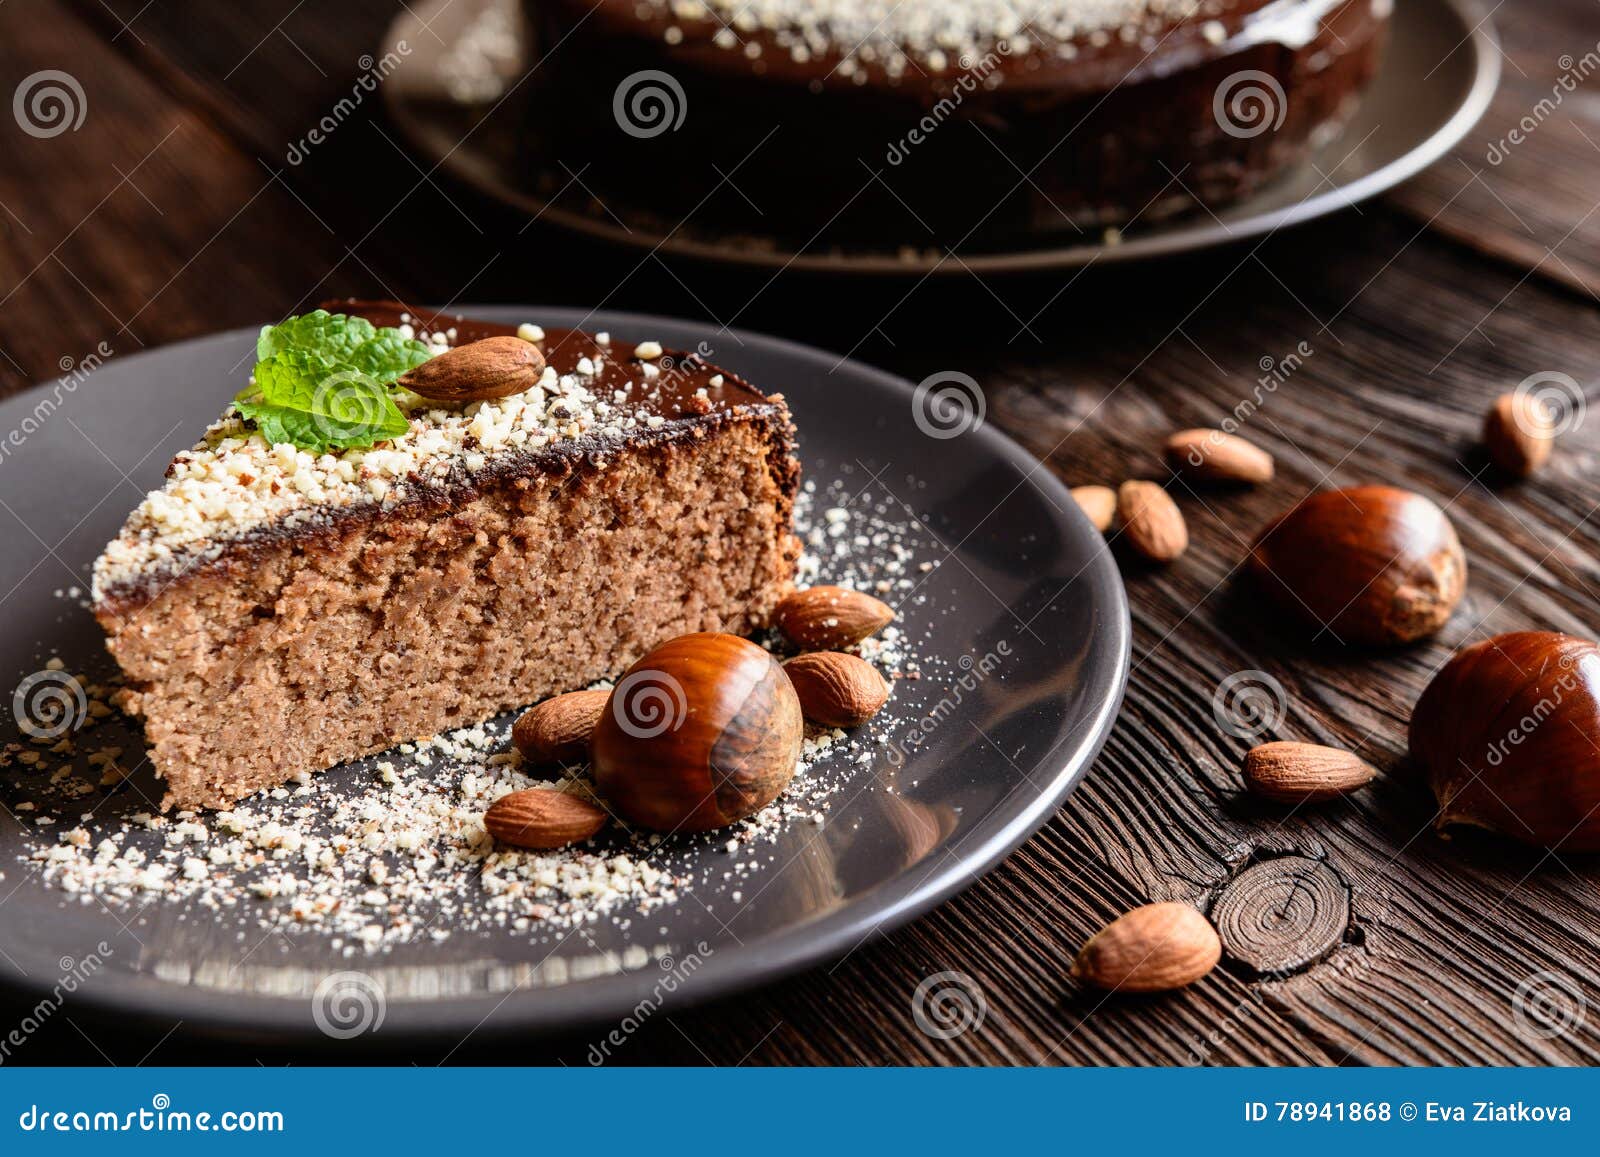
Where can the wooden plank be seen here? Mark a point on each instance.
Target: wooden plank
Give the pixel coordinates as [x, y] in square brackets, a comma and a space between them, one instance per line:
[1411, 330]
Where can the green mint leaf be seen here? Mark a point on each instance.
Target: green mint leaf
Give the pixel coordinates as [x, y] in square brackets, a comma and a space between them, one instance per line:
[321, 382]
[315, 404]
[334, 336]
[386, 355]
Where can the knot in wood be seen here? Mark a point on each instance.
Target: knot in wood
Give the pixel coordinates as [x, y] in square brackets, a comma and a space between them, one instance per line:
[1280, 916]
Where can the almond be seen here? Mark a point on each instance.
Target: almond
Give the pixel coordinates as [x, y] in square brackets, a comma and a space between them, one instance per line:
[831, 618]
[1151, 521]
[543, 818]
[1099, 503]
[495, 367]
[1304, 772]
[1518, 433]
[836, 690]
[558, 730]
[1217, 456]
[1151, 949]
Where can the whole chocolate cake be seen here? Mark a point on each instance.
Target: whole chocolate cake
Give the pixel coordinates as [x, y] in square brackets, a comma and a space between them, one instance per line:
[940, 123]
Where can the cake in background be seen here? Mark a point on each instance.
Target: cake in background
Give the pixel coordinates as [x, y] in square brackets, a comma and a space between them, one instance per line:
[940, 123]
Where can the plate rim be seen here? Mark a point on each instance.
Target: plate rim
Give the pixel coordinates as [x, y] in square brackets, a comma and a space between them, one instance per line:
[1481, 37]
[863, 920]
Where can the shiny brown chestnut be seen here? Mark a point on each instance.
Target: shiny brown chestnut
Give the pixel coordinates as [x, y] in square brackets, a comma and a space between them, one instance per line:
[1373, 564]
[1507, 734]
[700, 733]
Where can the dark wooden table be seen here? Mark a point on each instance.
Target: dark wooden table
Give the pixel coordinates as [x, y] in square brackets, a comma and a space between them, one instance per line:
[172, 213]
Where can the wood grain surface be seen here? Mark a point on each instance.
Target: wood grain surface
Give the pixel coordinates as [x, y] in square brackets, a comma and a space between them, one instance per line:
[1356, 935]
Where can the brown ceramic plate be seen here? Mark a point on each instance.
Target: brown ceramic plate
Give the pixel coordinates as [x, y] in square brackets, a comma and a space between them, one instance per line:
[1438, 74]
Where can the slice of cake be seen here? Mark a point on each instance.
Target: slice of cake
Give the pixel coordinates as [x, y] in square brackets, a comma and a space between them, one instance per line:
[281, 606]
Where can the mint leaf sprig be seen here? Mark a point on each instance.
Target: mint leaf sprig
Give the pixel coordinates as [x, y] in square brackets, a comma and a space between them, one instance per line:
[323, 381]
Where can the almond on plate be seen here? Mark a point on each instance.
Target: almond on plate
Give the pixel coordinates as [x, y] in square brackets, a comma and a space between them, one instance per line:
[831, 618]
[543, 818]
[835, 689]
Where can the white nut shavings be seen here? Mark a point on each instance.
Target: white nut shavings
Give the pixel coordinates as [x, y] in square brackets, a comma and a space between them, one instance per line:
[233, 482]
[939, 33]
[648, 350]
[402, 856]
[527, 331]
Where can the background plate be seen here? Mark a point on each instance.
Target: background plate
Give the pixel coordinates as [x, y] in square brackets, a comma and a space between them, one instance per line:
[1436, 79]
[1021, 575]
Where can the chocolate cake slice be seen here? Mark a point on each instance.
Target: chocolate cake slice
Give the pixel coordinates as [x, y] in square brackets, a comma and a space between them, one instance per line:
[278, 610]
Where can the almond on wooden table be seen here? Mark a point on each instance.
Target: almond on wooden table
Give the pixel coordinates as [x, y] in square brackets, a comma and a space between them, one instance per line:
[558, 730]
[1217, 456]
[1151, 521]
[1304, 772]
[835, 689]
[829, 618]
[1150, 949]
[1519, 434]
[1099, 503]
[543, 818]
[495, 367]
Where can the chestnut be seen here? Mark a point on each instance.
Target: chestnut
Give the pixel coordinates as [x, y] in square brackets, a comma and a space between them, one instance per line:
[1372, 564]
[700, 733]
[1507, 735]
